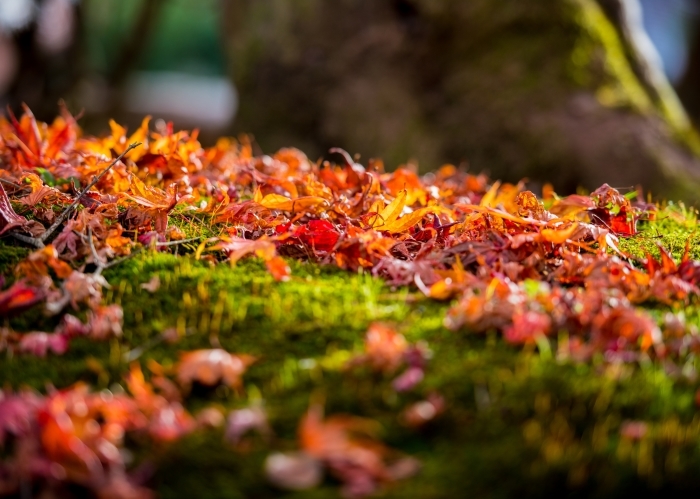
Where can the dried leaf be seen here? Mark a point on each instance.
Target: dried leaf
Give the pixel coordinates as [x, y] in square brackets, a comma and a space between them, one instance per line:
[301, 204]
[320, 235]
[152, 285]
[105, 322]
[211, 367]
[18, 298]
[238, 247]
[409, 220]
[345, 445]
[39, 344]
[293, 470]
[392, 211]
[242, 421]
[8, 218]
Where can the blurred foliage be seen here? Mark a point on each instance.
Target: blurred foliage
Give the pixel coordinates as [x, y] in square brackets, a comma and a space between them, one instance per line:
[185, 36]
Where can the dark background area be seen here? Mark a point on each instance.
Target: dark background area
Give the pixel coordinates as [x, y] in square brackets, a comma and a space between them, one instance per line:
[181, 60]
[118, 59]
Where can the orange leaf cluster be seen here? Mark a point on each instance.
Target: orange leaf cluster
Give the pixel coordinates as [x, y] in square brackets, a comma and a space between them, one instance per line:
[77, 437]
[345, 446]
[450, 234]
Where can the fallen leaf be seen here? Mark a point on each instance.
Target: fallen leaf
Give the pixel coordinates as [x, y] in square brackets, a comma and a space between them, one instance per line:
[39, 344]
[293, 471]
[152, 285]
[211, 367]
[18, 298]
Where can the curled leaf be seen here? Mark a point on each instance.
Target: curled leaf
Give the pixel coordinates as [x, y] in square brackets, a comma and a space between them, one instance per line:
[9, 219]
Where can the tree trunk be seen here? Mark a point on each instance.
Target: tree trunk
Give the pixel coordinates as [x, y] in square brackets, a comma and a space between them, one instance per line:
[689, 87]
[545, 89]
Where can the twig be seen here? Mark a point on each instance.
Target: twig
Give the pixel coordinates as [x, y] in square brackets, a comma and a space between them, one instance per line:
[38, 242]
[97, 260]
[16, 186]
[27, 239]
[140, 250]
[61, 218]
[116, 262]
[174, 243]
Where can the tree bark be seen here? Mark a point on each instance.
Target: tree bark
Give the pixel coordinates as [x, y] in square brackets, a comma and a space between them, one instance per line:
[544, 89]
[689, 86]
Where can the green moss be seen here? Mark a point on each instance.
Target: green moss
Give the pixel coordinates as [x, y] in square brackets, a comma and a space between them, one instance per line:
[516, 422]
[599, 59]
[544, 427]
[674, 227]
[10, 256]
[193, 225]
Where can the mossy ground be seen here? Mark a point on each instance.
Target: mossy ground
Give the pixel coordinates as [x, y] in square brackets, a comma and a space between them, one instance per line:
[516, 422]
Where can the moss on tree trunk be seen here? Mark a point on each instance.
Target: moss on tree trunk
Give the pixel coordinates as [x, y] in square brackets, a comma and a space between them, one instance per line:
[542, 89]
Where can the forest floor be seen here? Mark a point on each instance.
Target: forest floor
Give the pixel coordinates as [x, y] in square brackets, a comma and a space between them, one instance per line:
[417, 403]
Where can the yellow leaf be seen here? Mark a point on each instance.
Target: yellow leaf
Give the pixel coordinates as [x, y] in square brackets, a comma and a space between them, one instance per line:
[409, 220]
[118, 131]
[150, 197]
[490, 196]
[558, 236]
[441, 290]
[377, 206]
[392, 212]
[140, 135]
[276, 202]
[283, 203]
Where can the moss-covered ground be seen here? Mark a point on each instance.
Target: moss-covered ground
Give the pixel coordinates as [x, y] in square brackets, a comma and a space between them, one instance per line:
[517, 422]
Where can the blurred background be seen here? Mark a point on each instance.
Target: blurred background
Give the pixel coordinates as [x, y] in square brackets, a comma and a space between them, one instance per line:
[118, 59]
[314, 74]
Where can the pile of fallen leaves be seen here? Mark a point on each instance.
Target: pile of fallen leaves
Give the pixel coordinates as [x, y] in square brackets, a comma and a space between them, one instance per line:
[535, 270]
